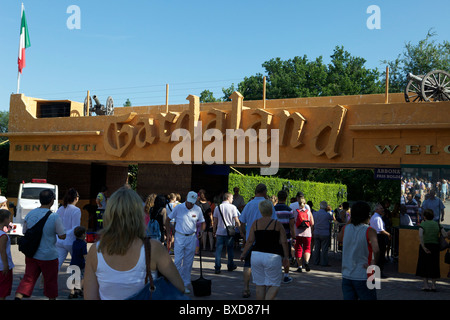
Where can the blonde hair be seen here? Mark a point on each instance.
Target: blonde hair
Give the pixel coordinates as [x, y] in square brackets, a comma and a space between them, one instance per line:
[150, 202]
[266, 207]
[123, 222]
[172, 196]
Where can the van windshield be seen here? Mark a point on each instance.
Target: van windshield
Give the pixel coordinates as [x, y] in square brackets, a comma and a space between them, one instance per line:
[33, 193]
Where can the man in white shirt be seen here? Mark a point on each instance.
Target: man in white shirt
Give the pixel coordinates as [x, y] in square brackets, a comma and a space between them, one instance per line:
[228, 213]
[377, 223]
[186, 216]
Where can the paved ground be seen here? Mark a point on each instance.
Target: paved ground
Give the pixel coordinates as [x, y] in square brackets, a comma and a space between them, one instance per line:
[321, 283]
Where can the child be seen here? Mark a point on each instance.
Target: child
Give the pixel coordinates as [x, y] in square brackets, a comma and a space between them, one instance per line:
[79, 253]
[6, 263]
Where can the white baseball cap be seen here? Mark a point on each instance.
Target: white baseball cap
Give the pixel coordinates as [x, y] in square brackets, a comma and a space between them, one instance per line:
[192, 197]
[3, 199]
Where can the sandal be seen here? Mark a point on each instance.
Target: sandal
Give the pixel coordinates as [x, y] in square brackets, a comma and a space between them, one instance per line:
[246, 294]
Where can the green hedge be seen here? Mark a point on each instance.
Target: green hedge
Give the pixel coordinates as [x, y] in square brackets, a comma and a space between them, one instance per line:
[316, 192]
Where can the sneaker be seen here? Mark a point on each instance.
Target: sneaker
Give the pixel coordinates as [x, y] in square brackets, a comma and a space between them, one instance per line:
[299, 269]
[307, 267]
[287, 279]
[187, 291]
[217, 271]
[232, 268]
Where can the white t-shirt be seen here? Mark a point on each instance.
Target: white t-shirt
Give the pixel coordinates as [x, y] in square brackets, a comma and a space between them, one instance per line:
[376, 222]
[71, 218]
[229, 212]
[186, 219]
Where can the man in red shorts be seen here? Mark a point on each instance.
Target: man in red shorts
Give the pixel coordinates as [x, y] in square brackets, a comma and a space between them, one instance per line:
[45, 259]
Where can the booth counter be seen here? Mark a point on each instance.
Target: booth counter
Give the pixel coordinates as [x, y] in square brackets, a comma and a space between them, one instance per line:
[409, 251]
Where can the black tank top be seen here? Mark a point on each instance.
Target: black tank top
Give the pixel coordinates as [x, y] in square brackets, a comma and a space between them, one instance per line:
[268, 240]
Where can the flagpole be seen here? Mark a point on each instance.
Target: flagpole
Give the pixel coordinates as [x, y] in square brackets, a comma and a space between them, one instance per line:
[18, 72]
[18, 81]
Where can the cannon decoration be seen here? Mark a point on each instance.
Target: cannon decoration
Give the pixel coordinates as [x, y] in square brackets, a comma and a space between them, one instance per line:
[434, 86]
[98, 108]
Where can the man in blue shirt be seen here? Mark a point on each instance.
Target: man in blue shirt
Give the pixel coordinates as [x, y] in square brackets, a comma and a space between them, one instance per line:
[435, 204]
[248, 216]
[45, 260]
[321, 234]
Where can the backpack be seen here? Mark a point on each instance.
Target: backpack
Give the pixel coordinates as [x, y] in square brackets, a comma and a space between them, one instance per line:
[29, 243]
[153, 230]
[302, 220]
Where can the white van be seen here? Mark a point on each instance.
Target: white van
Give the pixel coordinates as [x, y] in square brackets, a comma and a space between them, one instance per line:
[27, 200]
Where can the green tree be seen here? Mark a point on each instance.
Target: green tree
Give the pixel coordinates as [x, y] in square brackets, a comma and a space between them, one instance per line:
[347, 76]
[4, 120]
[419, 59]
[300, 77]
[227, 92]
[127, 103]
[207, 96]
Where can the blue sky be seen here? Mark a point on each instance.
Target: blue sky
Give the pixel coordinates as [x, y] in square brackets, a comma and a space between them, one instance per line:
[131, 49]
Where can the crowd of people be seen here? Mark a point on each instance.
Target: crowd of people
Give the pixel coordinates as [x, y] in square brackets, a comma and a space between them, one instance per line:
[273, 236]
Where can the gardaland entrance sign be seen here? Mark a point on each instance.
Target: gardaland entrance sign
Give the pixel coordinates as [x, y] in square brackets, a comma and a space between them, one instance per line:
[326, 132]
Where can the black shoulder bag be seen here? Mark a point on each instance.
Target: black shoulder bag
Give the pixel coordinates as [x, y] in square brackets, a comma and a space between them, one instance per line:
[231, 231]
[29, 243]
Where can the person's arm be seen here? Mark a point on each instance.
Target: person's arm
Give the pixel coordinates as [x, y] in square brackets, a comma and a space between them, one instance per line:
[165, 265]
[381, 227]
[283, 241]
[91, 287]
[422, 244]
[248, 244]
[59, 228]
[236, 222]
[312, 219]
[171, 215]
[292, 227]
[215, 221]
[4, 257]
[373, 239]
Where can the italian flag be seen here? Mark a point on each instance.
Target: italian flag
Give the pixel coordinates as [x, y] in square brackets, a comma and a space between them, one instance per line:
[24, 41]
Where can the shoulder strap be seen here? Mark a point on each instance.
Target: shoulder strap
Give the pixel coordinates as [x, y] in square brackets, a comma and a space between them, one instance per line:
[268, 224]
[42, 221]
[220, 211]
[148, 256]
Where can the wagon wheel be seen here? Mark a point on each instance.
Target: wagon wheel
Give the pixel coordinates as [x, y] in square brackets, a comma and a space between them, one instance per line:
[87, 111]
[109, 106]
[436, 86]
[413, 92]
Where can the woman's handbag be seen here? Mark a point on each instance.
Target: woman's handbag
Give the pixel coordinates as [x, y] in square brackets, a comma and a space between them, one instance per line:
[159, 289]
[447, 257]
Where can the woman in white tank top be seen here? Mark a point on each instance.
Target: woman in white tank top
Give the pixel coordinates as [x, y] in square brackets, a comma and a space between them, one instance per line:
[115, 266]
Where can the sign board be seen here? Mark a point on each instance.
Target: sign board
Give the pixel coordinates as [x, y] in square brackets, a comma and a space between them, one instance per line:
[388, 173]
